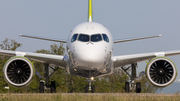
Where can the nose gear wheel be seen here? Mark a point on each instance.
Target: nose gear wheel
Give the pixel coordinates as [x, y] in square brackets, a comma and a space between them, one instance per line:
[89, 87]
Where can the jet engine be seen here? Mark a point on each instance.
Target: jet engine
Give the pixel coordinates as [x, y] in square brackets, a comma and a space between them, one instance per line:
[18, 71]
[161, 72]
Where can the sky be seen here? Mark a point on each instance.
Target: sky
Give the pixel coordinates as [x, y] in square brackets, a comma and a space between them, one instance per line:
[123, 18]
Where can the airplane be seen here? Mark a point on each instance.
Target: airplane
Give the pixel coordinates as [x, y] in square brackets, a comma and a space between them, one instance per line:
[90, 55]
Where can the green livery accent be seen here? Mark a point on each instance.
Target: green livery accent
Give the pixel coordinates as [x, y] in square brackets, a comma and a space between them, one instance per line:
[90, 18]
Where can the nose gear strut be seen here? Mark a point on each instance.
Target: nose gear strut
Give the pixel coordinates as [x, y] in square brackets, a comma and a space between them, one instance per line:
[89, 87]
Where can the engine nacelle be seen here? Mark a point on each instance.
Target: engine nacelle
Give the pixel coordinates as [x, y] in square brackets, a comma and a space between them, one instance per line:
[19, 71]
[161, 72]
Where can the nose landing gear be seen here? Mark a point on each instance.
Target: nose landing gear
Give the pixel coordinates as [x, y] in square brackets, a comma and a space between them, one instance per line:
[89, 87]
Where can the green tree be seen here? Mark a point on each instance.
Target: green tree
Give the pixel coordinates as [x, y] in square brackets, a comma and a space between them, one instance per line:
[112, 83]
[118, 79]
[10, 44]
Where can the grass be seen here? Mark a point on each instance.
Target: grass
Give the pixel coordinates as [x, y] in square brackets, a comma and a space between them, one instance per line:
[86, 97]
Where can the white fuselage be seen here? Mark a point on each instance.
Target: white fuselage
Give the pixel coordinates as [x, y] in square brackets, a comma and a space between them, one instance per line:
[90, 47]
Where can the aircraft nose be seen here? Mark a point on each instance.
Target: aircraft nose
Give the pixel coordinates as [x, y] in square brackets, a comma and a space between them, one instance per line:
[90, 57]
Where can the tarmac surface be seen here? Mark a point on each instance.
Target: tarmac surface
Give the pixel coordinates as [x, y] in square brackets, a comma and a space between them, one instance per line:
[99, 94]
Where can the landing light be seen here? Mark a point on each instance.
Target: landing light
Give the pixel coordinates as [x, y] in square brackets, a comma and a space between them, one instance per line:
[92, 78]
[75, 70]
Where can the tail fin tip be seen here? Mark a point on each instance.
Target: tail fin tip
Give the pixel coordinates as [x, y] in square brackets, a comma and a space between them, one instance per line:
[90, 18]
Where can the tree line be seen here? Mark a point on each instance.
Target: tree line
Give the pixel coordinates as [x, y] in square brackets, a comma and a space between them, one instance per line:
[66, 83]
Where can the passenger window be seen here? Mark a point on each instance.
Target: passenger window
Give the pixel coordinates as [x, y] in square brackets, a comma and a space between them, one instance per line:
[96, 38]
[105, 37]
[74, 37]
[83, 38]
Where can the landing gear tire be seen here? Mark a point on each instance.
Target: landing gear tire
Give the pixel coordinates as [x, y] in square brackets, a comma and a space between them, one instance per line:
[86, 89]
[53, 90]
[41, 87]
[53, 87]
[138, 87]
[126, 87]
[92, 89]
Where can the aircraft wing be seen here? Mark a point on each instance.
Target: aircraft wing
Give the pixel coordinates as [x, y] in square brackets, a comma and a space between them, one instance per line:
[120, 61]
[44, 58]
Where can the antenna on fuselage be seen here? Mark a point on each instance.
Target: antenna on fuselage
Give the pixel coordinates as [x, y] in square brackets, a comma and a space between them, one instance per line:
[90, 18]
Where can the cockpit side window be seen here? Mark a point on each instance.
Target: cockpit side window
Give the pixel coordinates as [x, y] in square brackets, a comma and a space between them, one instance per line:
[96, 38]
[74, 37]
[83, 38]
[105, 37]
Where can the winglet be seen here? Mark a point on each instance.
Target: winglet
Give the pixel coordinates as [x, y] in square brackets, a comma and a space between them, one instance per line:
[90, 18]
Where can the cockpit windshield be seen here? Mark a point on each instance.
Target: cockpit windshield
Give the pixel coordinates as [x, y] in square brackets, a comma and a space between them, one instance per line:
[105, 37]
[92, 38]
[83, 38]
[74, 37]
[96, 38]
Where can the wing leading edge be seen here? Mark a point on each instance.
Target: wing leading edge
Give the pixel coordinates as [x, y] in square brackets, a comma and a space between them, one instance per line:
[124, 60]
[133, 39]
[43, 38]
[44, 58]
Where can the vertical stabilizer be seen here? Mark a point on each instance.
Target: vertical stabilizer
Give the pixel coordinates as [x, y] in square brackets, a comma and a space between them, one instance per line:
[90, 18]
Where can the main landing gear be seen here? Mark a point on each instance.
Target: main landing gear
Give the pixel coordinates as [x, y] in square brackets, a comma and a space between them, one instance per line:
[137, 87]
[89, 87]
[43, 87]
[129, 86]
[46, 85]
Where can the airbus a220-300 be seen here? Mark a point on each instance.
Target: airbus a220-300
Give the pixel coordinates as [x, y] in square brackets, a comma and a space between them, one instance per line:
[90, 55]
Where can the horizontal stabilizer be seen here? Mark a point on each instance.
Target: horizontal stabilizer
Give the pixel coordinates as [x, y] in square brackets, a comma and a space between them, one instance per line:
[42, 38]
[133, 39]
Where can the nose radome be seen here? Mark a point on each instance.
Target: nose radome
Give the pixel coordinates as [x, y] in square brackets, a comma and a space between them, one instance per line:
[94, 57]
[90, 57]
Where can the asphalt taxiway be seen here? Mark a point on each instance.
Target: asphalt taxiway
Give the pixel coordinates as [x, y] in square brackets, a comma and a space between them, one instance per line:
[99, 94]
